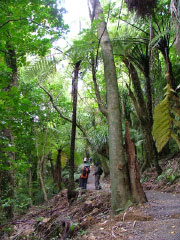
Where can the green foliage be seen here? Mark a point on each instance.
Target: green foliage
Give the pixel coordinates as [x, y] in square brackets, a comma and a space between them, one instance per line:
[166, 120]
[40, 70]
[74, 226]
[168, 176]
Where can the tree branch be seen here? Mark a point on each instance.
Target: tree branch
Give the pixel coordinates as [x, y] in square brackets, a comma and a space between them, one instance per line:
[64, 117]
[12, 20]
[101, 106]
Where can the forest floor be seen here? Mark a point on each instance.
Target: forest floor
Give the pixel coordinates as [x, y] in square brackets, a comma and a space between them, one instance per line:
[89, 216]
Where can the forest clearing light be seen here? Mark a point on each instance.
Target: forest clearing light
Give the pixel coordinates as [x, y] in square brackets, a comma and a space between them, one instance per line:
[77, 15]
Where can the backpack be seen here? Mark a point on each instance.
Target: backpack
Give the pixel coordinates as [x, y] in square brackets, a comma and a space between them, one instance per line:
[84, 171]
[100, 171]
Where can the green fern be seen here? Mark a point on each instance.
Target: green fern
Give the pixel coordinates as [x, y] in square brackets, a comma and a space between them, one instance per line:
[41, 69]
[166, 119]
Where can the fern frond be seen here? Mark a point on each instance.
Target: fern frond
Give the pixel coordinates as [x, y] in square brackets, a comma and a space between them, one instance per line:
[40, 69]
[161, 142]
[166, 116]
[158, 130]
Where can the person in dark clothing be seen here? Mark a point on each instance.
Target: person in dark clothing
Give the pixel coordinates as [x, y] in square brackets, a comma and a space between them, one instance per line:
[97, 172]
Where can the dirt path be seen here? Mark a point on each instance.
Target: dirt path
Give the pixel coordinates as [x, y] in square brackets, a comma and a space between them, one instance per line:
[91, 180]
[161, 214]
[164, 208]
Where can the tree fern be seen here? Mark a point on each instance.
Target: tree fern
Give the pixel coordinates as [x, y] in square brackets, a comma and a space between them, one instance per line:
[166, 119]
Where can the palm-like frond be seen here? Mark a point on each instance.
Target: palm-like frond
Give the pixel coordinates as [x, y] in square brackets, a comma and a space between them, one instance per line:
[40, 69]
[167, 120]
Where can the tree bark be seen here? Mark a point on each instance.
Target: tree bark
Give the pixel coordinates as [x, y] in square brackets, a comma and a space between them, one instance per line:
[42, 180]
[53, 171]
[120, 186]
[30, 183]
[58, 169]
[170, 80]
[40, 163]
[136, 187]
[101, 106]
[73, 131]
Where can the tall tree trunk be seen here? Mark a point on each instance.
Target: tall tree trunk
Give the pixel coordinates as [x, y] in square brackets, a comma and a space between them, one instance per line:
[120, 186]
[73, 131]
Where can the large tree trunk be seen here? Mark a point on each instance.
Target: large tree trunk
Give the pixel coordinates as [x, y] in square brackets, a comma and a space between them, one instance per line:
[136, 187]
[120, 186]
[73, 131]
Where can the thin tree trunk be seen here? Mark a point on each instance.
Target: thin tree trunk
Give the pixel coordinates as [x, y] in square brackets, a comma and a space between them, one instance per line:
[53, 172]
[73, 131]
[58, 169]
[40, 163]
[30, 184]
[42, 180]
[120, 186]
[149, 99]
[11, 178]
[101, 106]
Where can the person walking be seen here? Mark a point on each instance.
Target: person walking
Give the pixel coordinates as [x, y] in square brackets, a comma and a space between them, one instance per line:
[97, 172]
[85, 170]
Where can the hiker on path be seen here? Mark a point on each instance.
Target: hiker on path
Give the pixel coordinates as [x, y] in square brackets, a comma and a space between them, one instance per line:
[97, 172]
[85, 170]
